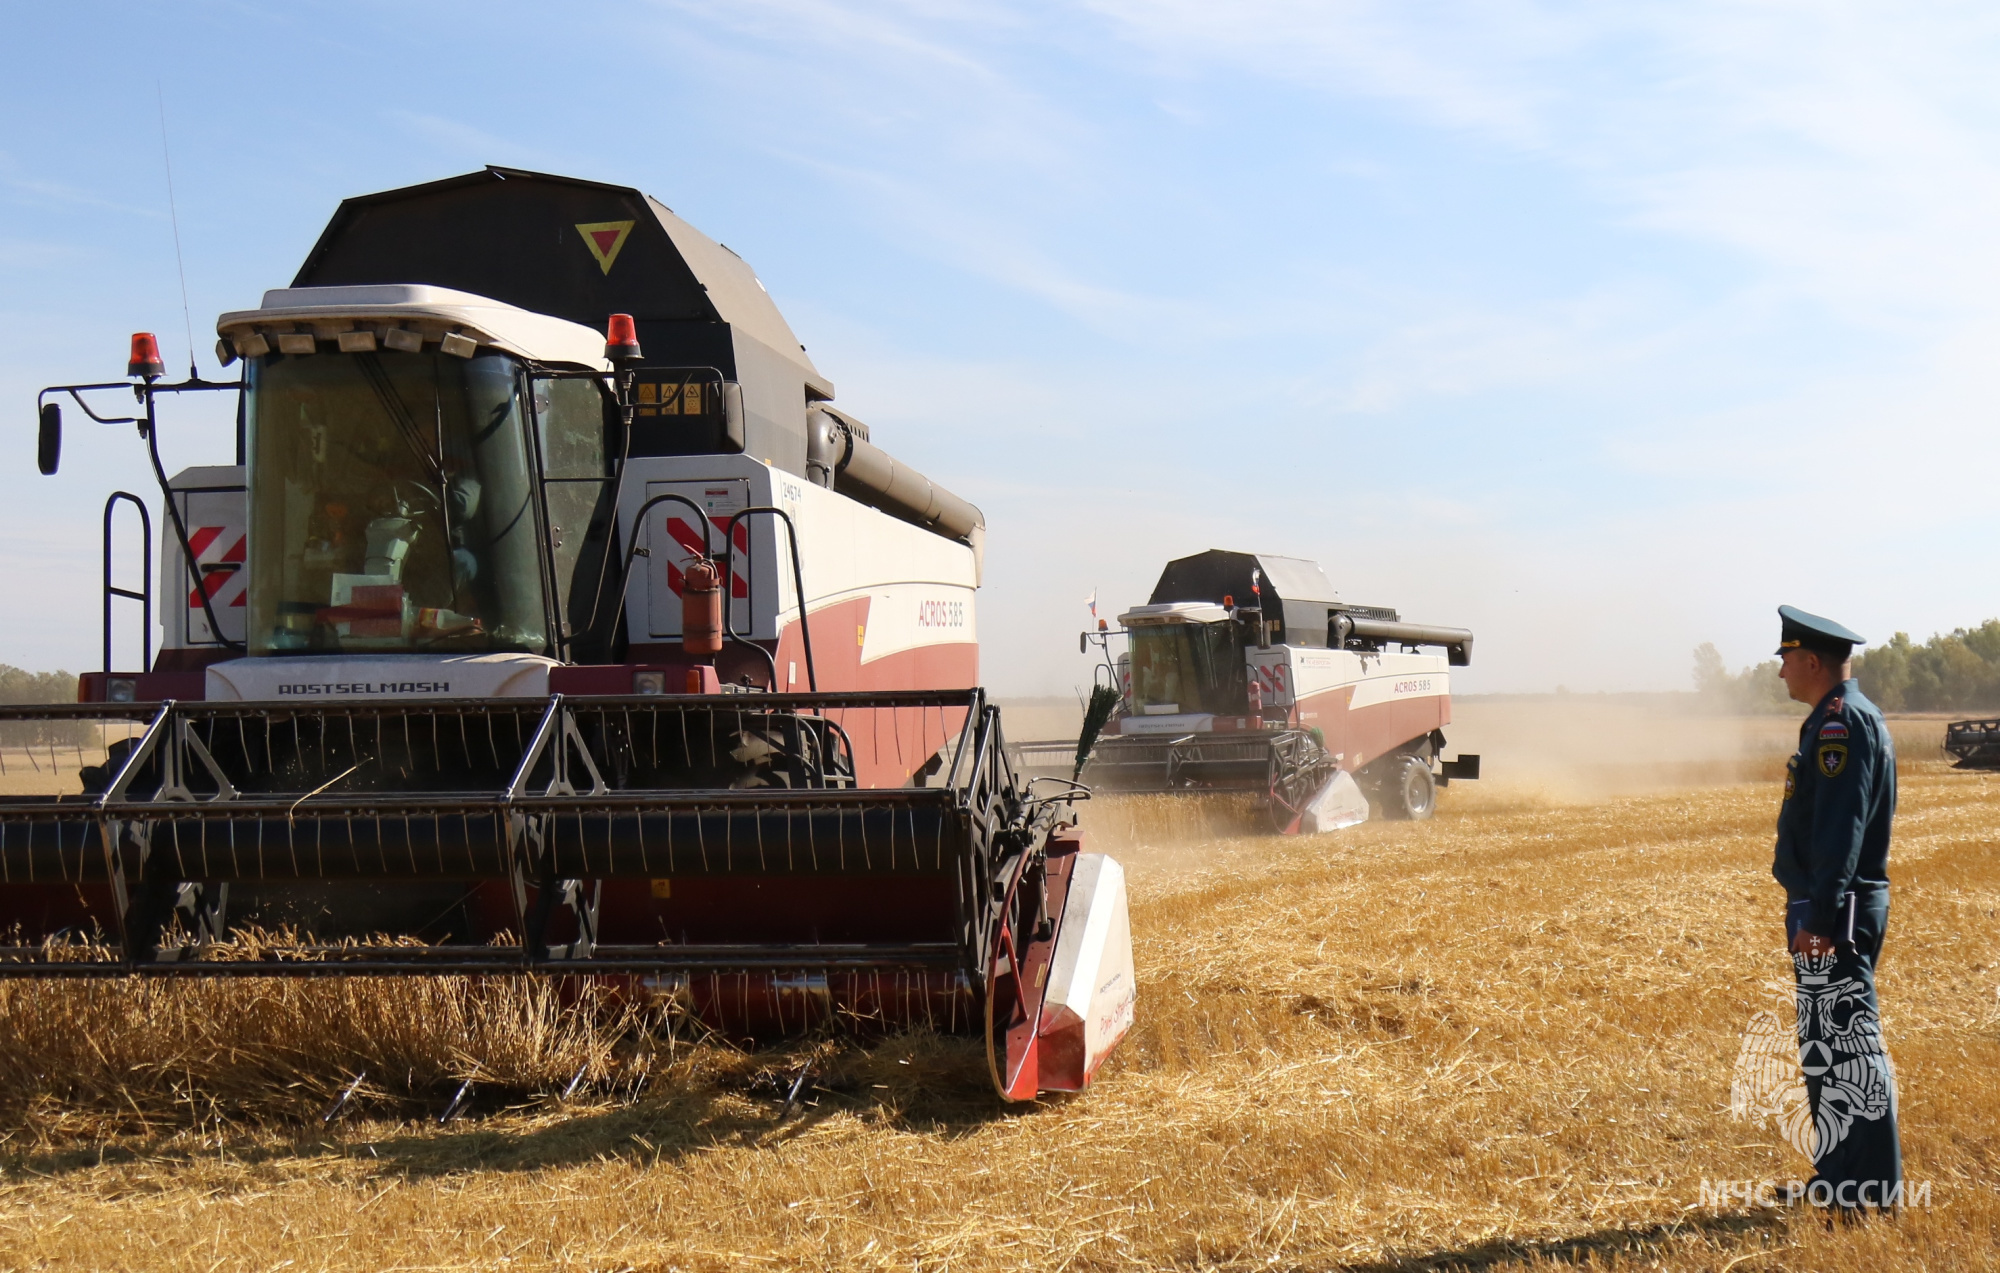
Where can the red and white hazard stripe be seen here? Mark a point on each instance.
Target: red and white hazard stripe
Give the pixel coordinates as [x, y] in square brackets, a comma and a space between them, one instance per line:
[224, 547]
[689, 540]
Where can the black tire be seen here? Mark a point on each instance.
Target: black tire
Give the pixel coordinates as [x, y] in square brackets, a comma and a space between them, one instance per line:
[1409, 792]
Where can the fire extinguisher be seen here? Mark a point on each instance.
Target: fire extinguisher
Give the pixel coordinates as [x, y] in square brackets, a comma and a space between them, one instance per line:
[701, 609]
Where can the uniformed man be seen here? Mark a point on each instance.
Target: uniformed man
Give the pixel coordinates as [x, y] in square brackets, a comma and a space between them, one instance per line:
[1832, 858]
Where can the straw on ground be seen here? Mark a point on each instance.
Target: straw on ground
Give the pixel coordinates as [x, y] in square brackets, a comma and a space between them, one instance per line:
[1500, 1039]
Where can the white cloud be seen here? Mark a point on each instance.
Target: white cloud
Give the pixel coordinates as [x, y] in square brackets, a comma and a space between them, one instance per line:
[40, 190]
[468, 142]
[1850, 149]
[1466, 65]
[892, 29]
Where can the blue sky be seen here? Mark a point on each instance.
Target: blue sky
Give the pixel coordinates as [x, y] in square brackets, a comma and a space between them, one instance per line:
[1599, 329]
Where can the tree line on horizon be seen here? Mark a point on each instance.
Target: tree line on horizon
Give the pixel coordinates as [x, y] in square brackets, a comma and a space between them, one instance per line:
[17, 686]
[1957, 671]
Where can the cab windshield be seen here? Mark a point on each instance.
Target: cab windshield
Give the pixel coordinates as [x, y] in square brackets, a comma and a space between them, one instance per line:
[392, 506]
[1188, 667]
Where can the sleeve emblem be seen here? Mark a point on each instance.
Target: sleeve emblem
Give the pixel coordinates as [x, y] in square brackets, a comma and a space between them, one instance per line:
[1832, 759]
[1833, 731]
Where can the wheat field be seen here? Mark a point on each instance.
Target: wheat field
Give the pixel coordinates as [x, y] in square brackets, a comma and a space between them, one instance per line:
[1501, 1039]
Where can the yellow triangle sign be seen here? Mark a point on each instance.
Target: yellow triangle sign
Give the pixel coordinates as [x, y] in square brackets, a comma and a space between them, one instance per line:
[604, 239]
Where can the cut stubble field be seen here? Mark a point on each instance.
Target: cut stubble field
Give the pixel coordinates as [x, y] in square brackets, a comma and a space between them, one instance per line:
[1500, 1039]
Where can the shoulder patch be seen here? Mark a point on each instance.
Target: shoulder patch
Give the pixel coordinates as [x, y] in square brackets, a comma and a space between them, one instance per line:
[1832, 758]
[1833, 729]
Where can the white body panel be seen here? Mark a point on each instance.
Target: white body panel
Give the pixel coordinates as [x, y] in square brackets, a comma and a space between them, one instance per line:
[349, 676]
[217, 514]
[920, 585]
[1293, 675]
[905, 617]
[674, 539]
[1360, 704]
[1091, 987]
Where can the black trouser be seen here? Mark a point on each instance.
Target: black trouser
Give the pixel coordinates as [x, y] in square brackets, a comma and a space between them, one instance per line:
[1857, 1157]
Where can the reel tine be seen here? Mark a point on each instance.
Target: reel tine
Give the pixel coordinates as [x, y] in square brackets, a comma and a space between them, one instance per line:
[457, 1104]
[339, 1102]
[792, 1097]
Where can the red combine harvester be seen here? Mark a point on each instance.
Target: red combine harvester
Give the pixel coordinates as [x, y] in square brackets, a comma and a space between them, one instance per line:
[1246, 673]
[551, 621]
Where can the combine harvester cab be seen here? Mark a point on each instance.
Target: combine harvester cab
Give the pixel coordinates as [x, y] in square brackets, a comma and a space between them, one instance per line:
[552, 622]
[1247, 673]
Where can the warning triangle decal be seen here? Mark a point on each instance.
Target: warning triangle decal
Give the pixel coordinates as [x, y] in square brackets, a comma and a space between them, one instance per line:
[604, 239]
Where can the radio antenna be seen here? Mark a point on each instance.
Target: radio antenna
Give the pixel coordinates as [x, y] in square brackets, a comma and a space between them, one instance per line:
[173, 214]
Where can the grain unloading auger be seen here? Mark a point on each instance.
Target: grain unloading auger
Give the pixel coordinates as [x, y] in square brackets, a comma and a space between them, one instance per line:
[513, 647]
[1246, 673]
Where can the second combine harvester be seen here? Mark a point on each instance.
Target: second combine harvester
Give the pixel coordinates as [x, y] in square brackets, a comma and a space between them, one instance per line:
[1247, 673]
[550, 620]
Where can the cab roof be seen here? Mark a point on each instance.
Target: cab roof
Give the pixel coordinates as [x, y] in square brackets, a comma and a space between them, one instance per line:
[329, 311]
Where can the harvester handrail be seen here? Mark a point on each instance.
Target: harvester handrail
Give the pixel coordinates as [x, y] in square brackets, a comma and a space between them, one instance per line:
[632, 548]
[144, 595]
[750, 587]
[149, 430]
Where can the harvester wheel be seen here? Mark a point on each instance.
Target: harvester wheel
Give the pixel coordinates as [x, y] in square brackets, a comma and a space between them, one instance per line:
[1409, 793]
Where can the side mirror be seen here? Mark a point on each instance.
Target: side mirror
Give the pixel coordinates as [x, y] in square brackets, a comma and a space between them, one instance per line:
[1083, 643]
[48, 446]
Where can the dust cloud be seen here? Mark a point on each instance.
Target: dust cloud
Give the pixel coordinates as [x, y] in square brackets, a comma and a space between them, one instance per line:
[1582, 748]
[1537, 750]
[1579, 748]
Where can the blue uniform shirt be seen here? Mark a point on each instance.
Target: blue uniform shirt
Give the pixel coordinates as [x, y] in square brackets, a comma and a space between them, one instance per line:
[1840, 796]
